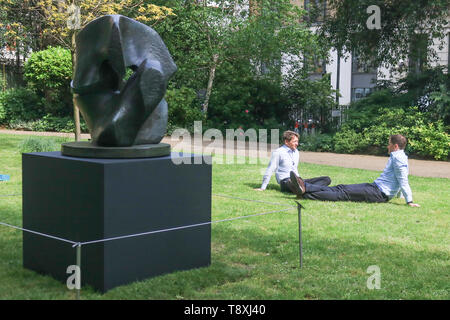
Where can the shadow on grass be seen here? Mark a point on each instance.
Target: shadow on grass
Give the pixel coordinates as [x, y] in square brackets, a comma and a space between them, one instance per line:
[258, 185]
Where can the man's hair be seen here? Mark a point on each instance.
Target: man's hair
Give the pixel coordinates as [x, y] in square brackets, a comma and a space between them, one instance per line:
[288, 135]
[398, 139]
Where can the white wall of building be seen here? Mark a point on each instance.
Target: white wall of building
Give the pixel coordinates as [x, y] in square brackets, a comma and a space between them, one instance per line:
[345, 75]
[441, 48]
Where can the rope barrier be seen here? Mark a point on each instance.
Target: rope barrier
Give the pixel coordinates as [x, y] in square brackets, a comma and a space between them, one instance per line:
[259, 201]
[216, 195]
[75, 244]
[78, 245]
[38, 233]
[176, 228]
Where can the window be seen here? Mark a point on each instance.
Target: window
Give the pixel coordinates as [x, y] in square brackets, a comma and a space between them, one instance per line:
[319, 66]
[359, 93]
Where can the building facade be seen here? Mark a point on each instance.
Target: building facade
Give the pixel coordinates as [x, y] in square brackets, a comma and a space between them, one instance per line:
[355, 79]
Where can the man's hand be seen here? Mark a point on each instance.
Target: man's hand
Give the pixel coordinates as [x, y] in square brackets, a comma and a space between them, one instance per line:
[411, 204]
[258, 189]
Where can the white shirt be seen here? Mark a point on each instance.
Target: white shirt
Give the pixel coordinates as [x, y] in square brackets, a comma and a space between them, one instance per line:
[283, 161]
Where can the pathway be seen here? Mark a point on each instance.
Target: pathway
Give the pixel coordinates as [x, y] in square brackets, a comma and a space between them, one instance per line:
[423, 168]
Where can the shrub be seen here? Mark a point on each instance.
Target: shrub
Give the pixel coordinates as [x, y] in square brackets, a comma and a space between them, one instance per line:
[184, 108]
[361, 113]
[348, 141]
[316, 142]
[57, 124]
[21, 125]
[245, 102]
[425, 139]
[430, 140]
[313, 98]
[19, 104]
[441, 101]
[48, 73]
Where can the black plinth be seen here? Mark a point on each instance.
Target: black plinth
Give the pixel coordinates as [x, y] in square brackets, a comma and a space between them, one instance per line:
[83, 199]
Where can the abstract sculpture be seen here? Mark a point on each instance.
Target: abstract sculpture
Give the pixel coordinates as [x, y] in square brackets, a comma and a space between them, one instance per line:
[121, 112]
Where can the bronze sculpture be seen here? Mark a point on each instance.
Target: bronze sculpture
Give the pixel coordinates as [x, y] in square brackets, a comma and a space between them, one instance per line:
[121, 112]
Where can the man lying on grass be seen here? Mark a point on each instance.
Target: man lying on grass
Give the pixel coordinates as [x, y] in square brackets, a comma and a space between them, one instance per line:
[392, 180]
[284, 160]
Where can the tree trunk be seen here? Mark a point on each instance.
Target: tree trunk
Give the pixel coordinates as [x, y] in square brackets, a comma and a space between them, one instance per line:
[212, 72]
[76, 112]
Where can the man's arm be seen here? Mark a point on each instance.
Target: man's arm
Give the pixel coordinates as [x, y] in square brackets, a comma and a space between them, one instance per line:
[273, 165]
[401, 174]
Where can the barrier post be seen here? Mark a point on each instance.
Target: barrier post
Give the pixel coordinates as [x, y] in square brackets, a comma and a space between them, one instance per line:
[78, 281]
[300, 244]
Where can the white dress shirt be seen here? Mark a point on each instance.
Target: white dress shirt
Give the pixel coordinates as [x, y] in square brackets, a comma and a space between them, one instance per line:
[283, 161]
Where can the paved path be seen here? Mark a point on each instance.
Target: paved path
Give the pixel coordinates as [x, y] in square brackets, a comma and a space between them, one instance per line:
[423, 168]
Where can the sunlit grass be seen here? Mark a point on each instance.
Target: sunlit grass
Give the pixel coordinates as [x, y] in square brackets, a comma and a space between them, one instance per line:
[258, 257]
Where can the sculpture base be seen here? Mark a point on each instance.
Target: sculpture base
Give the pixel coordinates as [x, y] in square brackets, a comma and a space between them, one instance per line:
[85, 149]
[93, 199]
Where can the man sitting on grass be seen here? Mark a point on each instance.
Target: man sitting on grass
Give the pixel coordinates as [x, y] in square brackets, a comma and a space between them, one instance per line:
[393, 179]
[284, 160]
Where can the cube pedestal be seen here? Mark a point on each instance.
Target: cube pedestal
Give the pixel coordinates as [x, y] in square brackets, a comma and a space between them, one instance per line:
[83, 199]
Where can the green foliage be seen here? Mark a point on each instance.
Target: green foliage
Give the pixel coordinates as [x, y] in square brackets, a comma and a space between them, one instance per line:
[430, 140]
[388, 111]
[422, 89]
[38, 144]
[425, 139]
[18, 124]
[399, 23]
[50, 68]
[19, 104]
[249, 47]
[361, 113]
[245, 102]
[316, 142]
[348, 141]
[2, 109]
[186, 41]
[441, 101]
[312, 97]
[184, 108]
[48, 72]
[57, 124]
[47, 123]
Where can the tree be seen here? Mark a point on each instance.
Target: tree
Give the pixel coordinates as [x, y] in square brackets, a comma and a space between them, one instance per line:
[43, 22]
[259, 39]
[19, 29]
[311, 98]
[402, 24]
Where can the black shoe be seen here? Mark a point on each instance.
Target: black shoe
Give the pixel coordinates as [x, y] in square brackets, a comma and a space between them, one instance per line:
[294, 190]
[298, 184]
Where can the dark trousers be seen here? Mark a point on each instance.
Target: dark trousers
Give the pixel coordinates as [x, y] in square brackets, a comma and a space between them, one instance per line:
[319, 181]
[363, 192]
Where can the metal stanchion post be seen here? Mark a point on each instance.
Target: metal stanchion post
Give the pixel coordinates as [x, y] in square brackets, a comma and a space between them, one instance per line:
[300, 244]
[78, 279]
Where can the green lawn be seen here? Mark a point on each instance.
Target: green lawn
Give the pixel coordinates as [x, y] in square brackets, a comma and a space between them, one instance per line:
[258, 258]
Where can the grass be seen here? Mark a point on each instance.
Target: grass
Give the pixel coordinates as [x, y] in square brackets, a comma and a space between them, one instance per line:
[257, 258]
